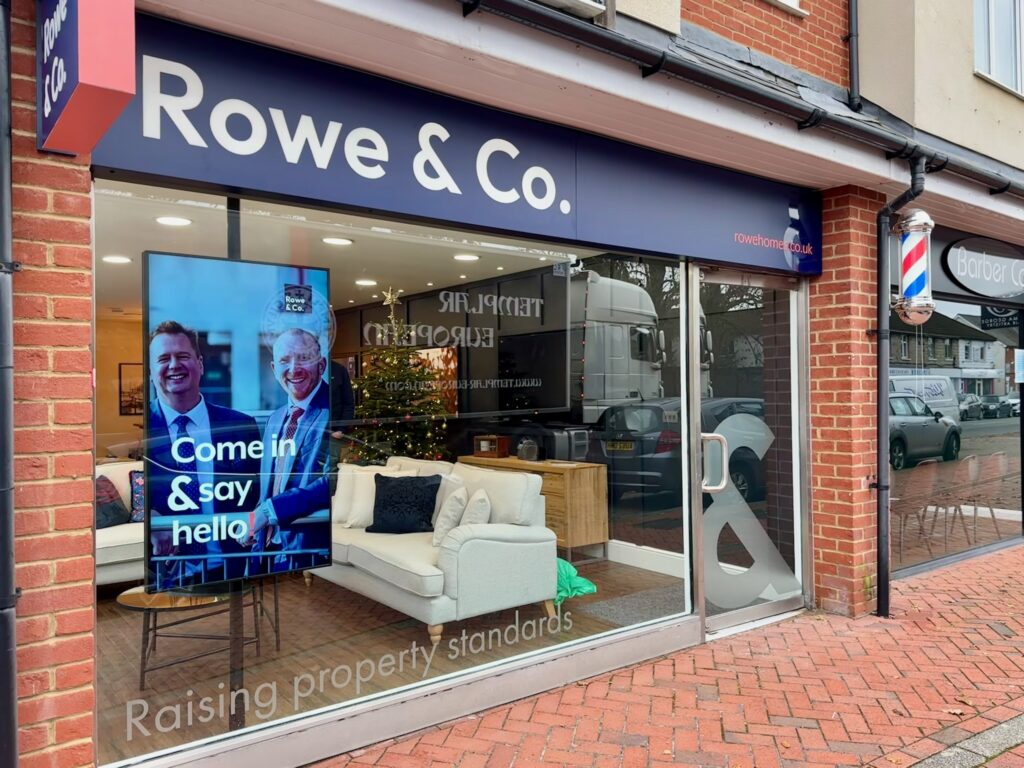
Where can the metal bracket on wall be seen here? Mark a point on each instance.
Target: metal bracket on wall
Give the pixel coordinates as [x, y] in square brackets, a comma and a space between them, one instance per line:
[10, 601]
[468, 6]
[9, 267]
[1001, 190]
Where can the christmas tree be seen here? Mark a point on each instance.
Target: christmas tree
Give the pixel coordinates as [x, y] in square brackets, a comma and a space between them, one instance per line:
[401, 408]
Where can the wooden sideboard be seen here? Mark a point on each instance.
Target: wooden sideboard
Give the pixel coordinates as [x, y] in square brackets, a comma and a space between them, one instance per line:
[575, 496]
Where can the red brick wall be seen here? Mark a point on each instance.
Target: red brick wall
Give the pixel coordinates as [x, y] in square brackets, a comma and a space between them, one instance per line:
[843, 396]
[53, 436]
[813, 44]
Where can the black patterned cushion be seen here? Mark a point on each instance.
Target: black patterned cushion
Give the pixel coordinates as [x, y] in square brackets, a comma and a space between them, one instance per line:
[137, 481]
[404, 504]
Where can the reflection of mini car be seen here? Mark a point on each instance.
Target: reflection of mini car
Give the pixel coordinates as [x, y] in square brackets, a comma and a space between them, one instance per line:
[970, 407]
[995, 407]
[917, 432]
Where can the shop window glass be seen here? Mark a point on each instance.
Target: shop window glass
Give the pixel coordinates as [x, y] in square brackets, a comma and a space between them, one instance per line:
[509, 373]
[956, 481]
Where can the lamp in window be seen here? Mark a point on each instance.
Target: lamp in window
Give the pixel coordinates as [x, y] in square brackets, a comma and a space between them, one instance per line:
[915, 304]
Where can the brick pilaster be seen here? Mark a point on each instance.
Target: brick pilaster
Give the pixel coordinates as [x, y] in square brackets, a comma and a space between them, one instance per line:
[843, 397]
[53, 439]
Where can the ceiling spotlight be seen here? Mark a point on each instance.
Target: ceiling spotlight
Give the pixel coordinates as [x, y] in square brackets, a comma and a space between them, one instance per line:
[462, 277]
[351, 301]
[401, 290]
[466, 257]
[543, 258]
[375, 296]
[430, 285]
[339, 241]
[173, 221]
[366, 283]
[112, 259]
[501, 269]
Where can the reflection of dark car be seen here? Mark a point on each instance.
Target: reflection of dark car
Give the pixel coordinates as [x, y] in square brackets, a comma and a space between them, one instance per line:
[995, 407]
[641, 443]
[744, 466]
[970, 407]
[917, 432]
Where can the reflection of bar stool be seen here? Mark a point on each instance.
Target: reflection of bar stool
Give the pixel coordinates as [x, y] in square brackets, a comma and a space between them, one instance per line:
[951, 499]
[916, 503]
[992, 469]
[200, 604]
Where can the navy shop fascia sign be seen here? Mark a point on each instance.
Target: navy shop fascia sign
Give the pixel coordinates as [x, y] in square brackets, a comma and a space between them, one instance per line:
[234, 114]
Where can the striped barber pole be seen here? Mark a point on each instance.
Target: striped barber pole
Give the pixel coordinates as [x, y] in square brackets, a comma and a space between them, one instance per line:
[915, 305]
[914, 283]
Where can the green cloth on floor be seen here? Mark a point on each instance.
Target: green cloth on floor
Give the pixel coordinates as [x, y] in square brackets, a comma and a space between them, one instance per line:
[570, 583]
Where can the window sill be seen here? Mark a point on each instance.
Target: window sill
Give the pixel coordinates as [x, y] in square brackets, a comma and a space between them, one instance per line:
[1001, 86]
[791, 7]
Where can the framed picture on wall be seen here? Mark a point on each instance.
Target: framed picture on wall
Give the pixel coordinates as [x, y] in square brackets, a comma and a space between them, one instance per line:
[129, 388]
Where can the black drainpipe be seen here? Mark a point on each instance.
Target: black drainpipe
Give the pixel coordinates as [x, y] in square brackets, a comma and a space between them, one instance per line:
[852, 38]
[918, 168]
[8, 591]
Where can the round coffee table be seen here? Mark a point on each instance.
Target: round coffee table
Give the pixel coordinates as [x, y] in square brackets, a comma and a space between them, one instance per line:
[205, 604]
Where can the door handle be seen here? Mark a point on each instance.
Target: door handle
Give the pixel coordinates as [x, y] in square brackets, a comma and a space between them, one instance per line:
[714, 437]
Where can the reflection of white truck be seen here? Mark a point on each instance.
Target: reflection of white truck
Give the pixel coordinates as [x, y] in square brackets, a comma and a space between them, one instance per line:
[617, 350]
[617, 354]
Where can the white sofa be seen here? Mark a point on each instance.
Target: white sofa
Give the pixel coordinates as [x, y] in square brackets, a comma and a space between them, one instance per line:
[119, 553]
[477, 568]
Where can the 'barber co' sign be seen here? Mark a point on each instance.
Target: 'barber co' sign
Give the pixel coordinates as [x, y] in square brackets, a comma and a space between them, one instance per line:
[85, 70]
[986, 267]
[232, 114]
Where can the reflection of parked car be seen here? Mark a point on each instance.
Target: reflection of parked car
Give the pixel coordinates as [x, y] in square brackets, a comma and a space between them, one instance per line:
[917, 432]
[995, 407]
[1014, 400]
[744, 466]
[641, 443]
[970, 407]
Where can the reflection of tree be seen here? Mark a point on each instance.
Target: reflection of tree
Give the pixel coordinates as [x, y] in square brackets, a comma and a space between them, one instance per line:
[733, 314]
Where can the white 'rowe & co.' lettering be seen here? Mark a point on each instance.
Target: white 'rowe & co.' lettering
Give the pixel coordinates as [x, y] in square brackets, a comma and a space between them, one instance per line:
[364, 149]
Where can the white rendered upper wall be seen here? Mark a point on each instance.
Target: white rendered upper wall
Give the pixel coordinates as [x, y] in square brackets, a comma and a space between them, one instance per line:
[918, 62]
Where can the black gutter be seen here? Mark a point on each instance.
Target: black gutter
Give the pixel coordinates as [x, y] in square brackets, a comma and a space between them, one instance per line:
[8, 589]
[652, 59]
[853, 40]
[883, 222]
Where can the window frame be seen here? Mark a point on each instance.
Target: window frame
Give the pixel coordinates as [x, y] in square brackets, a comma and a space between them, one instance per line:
[986, 70]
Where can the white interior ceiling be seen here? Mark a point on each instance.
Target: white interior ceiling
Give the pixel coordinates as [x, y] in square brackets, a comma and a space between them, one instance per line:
[403, 256]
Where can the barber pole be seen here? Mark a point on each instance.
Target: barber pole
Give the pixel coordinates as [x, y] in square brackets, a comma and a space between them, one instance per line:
[915, 304]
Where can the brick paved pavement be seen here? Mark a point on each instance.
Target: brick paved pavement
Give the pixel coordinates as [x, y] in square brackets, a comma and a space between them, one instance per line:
[816, 690]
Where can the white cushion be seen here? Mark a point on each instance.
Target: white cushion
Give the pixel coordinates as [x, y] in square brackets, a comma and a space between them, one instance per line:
[450, 514]
[120, 543]
[478, 509]
[118, 474]
[423, 467]
[513, 495]
[352, 505]
[406, 560]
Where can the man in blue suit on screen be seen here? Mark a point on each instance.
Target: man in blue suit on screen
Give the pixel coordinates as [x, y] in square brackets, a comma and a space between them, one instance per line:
[181, 421]
[291, 527]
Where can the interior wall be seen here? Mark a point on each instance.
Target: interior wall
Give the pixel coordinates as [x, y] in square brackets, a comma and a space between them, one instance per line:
[122, 343]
